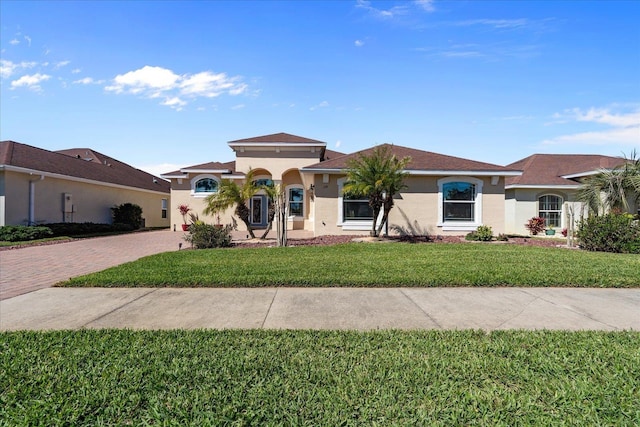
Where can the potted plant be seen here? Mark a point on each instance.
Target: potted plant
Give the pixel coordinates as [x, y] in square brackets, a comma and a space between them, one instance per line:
[184, 210]
[550, 231]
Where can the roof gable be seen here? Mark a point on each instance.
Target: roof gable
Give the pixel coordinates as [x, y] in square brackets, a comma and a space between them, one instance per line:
[277, 138]
[552, 169]
[98, 167]
[421, 161]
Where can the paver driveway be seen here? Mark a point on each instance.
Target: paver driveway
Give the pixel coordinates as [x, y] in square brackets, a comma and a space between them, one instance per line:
[28, 269]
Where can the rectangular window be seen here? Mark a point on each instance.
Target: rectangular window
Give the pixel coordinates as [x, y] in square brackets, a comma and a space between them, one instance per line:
[356, 209]
[550, 208]
[296, 201]
[459, 201]
[164, 208]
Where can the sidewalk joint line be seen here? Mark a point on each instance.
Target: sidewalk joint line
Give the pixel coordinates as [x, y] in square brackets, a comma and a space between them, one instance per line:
[421, 309]
[118, 308]
[269, 309]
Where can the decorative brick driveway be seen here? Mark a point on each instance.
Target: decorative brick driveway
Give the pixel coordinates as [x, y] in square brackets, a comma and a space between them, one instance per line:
[28, 269]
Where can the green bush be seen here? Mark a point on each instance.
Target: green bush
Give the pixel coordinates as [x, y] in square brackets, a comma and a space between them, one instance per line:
[23, 233]
[484, 233]
[129, 214]
[85, 228]
[613, 232]
[206, 236]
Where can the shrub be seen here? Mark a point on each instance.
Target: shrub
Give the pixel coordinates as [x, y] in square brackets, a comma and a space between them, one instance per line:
[535, 225]
[129, 214]
[206, 236]
[613, 232]
[23, 233]
[85, 228]
[482, 234]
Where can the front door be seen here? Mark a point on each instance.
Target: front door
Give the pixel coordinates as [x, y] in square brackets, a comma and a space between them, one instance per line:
[258, 209]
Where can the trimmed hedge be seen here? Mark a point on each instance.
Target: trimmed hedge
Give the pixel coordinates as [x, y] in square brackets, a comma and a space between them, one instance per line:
[85, 228]
[23, 233]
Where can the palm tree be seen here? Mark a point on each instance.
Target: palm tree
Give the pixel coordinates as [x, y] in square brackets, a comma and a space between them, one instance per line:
[613, 188]
[230, 194]
[378, 177]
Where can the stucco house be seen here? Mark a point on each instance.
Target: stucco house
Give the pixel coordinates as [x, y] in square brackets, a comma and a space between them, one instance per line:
[444, 194]
[548, 187]
[76, 185]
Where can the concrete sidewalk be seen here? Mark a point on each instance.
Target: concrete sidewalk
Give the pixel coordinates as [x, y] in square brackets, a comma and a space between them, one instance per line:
[324, 308]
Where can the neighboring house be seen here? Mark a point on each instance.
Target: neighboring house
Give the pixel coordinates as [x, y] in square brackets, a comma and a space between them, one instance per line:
[77, 185]
[444, 194]
[548, 187]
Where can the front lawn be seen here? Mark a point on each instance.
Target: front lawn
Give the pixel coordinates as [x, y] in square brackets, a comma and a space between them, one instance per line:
[120, 377]
[375, 265]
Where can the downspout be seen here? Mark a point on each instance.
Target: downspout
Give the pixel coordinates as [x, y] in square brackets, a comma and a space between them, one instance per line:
[32, 199]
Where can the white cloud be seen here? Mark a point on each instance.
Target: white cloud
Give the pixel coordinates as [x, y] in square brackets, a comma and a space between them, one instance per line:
[88, 81]
[145, 79]
[161, 168]
[76, 71]
[28, 39]
[323, 104]
[499, 24]
[158, 82]
[14, 42]
[32, 82]
[238, 107]
[382, 13]
[620, 128]
[175, 103]
[358, 43]
[8, 68]
[60, 64]
[338, 143]
[426, 5]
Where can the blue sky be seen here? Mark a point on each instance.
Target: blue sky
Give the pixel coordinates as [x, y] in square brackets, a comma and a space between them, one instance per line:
[160, 85]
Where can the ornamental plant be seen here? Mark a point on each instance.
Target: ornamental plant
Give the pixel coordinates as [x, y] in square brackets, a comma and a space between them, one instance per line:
[184, 210]
[535, 225]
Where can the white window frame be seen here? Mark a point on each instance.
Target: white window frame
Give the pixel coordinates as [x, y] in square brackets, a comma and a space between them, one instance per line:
[304, 197]
[198, 178]
[560, 210]
[164, 214]
[460, 225]
[351, 225]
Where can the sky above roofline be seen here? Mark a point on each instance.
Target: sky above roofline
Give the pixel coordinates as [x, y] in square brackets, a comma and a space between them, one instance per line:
[488, 81]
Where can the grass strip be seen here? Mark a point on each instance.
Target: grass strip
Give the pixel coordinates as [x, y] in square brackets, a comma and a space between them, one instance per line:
[375, 265]
[122, 377]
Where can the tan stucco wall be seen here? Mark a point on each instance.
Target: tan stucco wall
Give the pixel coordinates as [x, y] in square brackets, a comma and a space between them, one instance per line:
[418, 202]
[522, 204]
[92, 202]
[276, 163]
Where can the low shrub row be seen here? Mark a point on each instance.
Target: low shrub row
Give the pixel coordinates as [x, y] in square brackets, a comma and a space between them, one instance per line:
[23, 233]
[86, 228]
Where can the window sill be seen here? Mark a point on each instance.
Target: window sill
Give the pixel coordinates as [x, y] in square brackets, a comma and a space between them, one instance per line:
[356, 225]
[459, 226]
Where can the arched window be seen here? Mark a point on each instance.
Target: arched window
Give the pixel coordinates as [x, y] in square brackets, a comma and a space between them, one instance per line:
[550, 208]
[204, 185]
[459, 203]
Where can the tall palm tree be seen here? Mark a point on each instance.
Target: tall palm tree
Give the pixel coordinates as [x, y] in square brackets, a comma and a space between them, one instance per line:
[230, 194]
[613, 188]
[378, 177]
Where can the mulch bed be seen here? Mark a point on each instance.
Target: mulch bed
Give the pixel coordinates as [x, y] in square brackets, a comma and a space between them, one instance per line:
[334, 240]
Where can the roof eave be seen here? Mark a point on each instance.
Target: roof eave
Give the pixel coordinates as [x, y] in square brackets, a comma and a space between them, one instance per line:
[425, 172]
[543, 186]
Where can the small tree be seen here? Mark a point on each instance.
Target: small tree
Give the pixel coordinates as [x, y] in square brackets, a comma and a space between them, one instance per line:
[612, 188]
[231, 194]
[129, 214]
[378, 177]
[184, 210]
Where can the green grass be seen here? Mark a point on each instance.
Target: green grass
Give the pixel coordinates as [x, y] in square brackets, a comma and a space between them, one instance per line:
[120, 377]
[375, 265]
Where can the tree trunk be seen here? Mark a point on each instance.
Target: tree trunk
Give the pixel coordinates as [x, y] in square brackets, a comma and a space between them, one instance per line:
[243, 213]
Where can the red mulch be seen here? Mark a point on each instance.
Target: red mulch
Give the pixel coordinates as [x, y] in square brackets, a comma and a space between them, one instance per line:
[333, 240]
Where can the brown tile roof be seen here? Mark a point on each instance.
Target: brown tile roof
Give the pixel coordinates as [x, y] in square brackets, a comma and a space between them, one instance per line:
[209, 166]
[549, 169]
[283, 138]
[420, 161]
[330, 155]
[100, 168]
